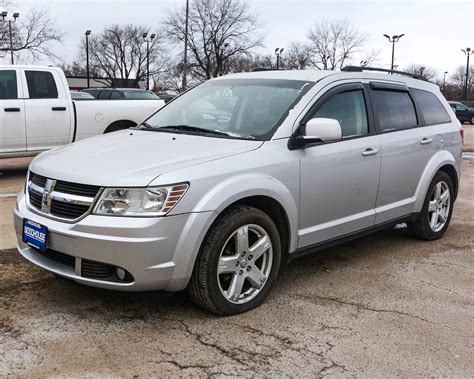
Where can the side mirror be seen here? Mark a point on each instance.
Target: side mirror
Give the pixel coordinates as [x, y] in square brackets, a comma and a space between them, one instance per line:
[324, 129]
[317, 130]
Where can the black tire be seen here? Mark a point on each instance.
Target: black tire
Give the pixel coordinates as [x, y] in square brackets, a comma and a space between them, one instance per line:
[421, 226]
[204, 287]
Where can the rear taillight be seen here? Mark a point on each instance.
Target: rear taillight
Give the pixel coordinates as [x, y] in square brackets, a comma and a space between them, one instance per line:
[461, 131]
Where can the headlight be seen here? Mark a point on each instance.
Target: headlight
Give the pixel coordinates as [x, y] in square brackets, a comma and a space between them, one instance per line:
[141, 202]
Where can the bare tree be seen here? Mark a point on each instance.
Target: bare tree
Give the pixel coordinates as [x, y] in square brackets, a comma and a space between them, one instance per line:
[424, 71]
[219, 31]
[297, 56]
[334, 43]
[32, 35]
[458, 78]
[121, 53]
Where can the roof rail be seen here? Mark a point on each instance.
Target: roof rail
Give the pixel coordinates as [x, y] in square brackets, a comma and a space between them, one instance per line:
[257, 69]
[361, 69]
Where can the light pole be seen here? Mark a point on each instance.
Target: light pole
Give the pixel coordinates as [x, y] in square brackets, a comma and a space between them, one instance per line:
[444, 81]
[278, 53]
[148, 40]
[15, 16]
[364, 63]
[393, 40]
[468, 53]
[185, 57]
[88, 33]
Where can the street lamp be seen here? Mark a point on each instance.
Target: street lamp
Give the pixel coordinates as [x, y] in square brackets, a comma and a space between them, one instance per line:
[278, 53]
[468, 53]
[88, 33]
[364, 63]
[148, 40]
[444, 81]
[4, 15]
[392, 40]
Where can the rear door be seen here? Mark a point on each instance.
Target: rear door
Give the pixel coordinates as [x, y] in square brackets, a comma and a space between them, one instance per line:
[12, 112]
[407, 146]
[339, 181]
[48, 110]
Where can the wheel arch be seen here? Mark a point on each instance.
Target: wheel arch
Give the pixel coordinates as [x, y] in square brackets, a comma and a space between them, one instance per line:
[119, 125]
[441, 161]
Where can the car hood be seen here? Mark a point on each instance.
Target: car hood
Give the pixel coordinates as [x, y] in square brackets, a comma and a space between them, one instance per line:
[132, 157]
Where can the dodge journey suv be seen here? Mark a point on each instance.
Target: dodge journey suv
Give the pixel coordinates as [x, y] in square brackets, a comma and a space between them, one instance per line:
[220, 187]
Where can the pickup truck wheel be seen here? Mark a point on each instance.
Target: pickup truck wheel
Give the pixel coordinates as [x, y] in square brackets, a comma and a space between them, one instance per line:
[437, 209]
[238, 262]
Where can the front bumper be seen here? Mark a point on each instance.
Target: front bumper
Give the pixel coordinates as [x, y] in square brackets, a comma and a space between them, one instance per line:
[158, 252]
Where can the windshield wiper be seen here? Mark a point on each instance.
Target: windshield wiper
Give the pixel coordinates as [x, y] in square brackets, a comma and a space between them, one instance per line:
[195, 129]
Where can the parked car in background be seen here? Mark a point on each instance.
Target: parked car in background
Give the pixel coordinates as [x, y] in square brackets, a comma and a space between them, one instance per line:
[215, 191]
[469, 104]
[463, 113]
[78, 95]
[121, 94]
[37, 112]
[166, 97]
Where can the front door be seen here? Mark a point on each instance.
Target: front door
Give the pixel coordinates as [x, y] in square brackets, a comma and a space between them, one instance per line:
[12, 113]
[339, 181]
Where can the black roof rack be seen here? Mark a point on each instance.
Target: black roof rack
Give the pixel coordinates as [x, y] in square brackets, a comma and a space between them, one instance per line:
[361, 69]
[257, 69]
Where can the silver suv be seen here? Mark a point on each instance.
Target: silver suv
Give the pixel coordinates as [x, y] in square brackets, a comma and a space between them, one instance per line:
[220, 187]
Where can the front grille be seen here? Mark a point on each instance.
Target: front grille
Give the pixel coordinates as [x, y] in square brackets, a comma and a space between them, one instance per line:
[37, 179]
[76, 189]
[66, 210]
[35, 199]
[62, 201]
[58, 257]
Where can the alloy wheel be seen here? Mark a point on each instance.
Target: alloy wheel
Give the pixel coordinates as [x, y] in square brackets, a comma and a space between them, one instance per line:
[439, 206]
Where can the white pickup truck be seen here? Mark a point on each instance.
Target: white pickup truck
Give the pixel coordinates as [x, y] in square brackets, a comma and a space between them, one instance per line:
[37, 113]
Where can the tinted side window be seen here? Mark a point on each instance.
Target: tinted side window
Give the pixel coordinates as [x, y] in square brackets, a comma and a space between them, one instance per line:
[104, 95]
[431, 108]
[349, 109]
[41, 85]
[8, 87]
[395, 110]
[115, 95]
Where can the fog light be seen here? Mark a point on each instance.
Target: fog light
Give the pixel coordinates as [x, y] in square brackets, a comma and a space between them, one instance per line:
[120, 273]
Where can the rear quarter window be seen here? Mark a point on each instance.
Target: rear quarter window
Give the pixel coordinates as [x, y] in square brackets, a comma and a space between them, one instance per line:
[395, 110]
[431, 108]
[41, 85]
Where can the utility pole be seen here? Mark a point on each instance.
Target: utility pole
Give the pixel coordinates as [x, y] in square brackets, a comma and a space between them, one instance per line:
[393, 40]
[468, 53]
[4, 14]
[278, 53]
[88, 33]
[185, 57]
[148, 40]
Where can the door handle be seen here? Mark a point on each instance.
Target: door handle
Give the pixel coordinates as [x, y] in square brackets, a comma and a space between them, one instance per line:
[12, 109]
[426, 141]
[58, 108]
[370, 151]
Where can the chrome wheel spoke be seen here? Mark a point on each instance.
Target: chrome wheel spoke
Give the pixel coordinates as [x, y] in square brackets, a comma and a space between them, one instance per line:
[434, 220]
[442, 216]
[432, 206]
[242, 239]
[260, 247]
[437, 191]
[228, 264]
[444, 197]
[256, 278]
[235, 288]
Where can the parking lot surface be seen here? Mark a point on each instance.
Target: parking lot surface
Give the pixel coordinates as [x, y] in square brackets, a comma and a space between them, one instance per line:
[384, 305]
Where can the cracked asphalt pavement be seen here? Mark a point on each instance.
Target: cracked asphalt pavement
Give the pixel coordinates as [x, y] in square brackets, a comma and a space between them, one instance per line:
[383, 305]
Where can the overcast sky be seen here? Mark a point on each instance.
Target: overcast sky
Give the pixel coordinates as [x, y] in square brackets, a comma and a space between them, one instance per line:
[435, 31]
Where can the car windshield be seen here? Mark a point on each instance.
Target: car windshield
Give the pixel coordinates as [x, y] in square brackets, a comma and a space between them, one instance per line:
[139, 95]
[233, 108]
